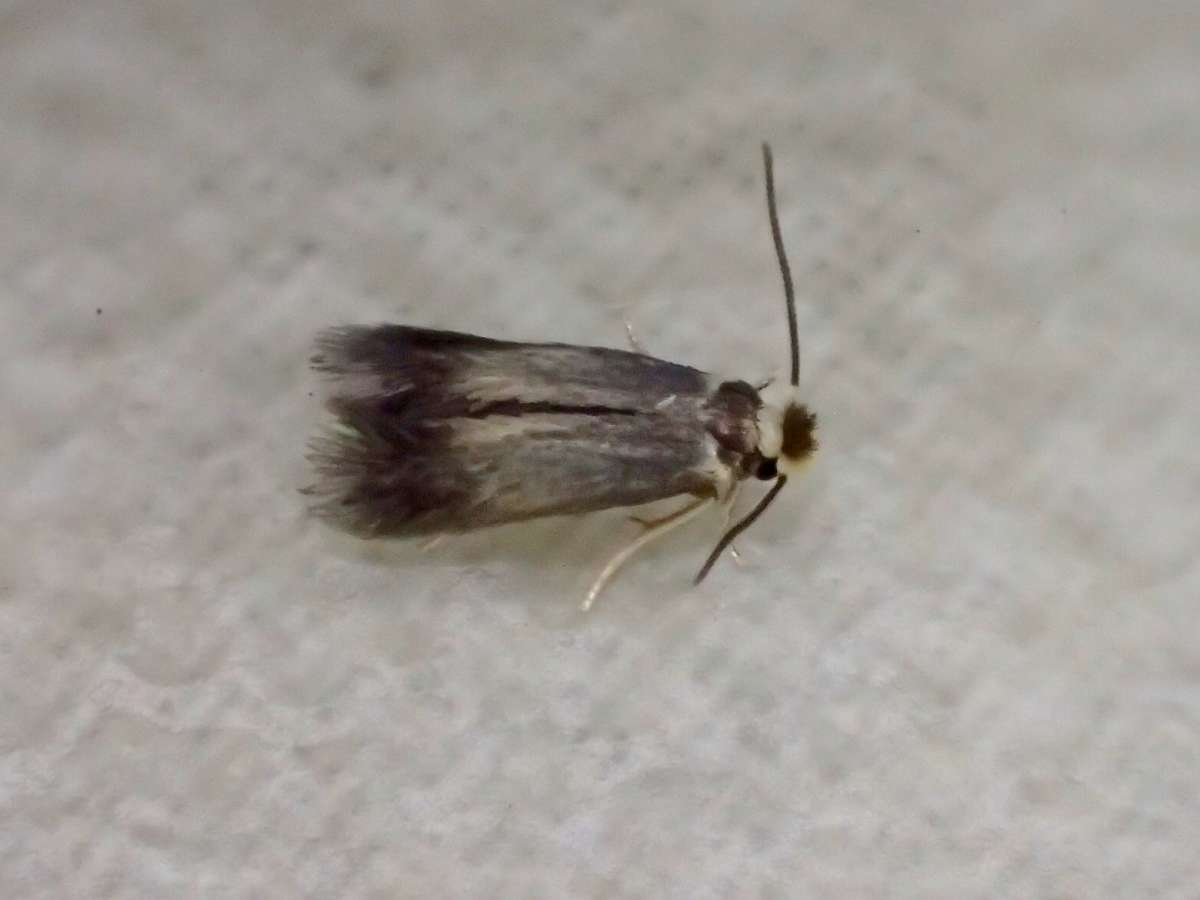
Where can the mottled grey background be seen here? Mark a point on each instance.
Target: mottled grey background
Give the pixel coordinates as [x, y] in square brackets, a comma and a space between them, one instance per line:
[962, 658]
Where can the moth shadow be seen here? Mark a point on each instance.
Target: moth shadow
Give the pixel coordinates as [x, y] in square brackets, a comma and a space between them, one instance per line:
[549, 557]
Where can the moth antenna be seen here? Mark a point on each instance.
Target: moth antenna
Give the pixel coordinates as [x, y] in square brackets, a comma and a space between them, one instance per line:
[789, 292]
[731, 535]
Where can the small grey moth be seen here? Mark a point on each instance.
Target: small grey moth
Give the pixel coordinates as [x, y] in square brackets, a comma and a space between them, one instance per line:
[438, 432]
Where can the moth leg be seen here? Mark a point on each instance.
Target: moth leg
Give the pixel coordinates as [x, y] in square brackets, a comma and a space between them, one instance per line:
[669, 517]
[431, 543]
[728, 503]
[633, 341]
[733, 550]
[656, 529]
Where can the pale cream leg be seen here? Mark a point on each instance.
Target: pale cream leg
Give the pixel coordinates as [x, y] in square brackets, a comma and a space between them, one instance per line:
[633, 341]
[733, 550]
[656, 529]
[669, 517]
[431, 542]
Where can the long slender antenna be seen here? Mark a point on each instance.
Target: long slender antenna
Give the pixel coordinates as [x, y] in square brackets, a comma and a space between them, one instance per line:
[789, 292]
[731, 535]
[789, 295]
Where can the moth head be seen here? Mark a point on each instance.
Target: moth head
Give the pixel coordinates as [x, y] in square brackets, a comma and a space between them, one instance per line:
[786, 432]
[786, 429]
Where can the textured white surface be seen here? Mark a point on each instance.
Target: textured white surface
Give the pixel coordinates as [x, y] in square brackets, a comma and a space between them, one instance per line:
[962, 660]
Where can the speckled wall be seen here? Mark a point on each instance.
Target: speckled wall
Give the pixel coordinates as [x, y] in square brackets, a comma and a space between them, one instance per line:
[960, 657]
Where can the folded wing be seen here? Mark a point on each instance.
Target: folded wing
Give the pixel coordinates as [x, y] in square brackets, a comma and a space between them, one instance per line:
[438, 431]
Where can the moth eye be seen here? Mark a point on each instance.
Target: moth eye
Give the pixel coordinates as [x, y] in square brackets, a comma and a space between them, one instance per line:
[766, 470]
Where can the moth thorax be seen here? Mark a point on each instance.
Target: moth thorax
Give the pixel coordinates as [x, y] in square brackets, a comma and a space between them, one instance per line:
[786, 428]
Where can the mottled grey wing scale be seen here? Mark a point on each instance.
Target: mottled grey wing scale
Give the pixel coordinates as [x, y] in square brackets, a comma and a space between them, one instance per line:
[439, 431]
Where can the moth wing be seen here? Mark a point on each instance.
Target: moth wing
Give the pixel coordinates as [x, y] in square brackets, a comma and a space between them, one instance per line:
[444, 432]
[443, 373]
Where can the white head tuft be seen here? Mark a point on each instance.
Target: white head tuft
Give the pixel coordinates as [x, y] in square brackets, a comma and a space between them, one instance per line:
[785, 428]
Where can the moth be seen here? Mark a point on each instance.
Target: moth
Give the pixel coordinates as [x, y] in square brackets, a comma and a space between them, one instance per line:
[437, 432]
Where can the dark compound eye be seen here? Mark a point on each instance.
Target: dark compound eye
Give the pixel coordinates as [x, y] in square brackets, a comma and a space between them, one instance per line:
[766, 470]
